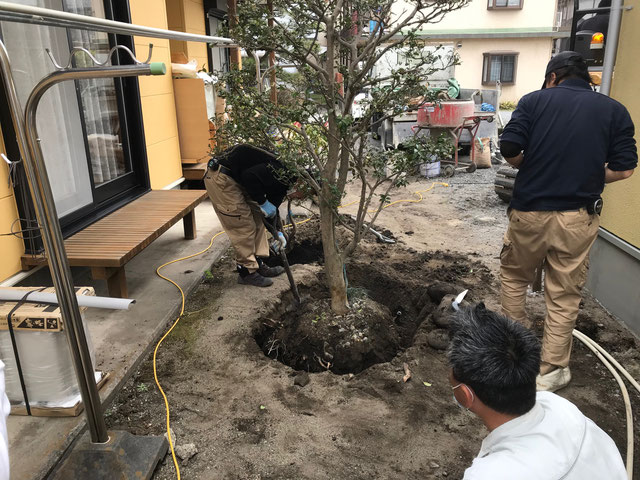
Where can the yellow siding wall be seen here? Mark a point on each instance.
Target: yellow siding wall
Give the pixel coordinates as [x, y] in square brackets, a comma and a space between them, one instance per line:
[158, 107]
[622, 199]
[11, 248]
[533, 55]
[188, 16]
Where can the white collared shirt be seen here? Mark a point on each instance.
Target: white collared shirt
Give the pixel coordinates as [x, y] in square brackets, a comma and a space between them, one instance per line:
[553, 441]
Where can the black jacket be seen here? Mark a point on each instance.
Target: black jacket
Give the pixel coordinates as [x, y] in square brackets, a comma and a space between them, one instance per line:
[259, 172]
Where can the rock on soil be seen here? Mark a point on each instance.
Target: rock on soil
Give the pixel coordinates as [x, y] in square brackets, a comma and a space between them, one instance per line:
[438, 339]
[301, 379]
[186, 451]
[443, 315]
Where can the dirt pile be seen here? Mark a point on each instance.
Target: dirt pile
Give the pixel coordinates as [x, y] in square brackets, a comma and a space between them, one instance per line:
[314, 339]
[391, 298]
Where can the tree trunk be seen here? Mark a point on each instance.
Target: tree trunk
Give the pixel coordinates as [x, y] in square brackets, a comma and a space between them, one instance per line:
[334, 268]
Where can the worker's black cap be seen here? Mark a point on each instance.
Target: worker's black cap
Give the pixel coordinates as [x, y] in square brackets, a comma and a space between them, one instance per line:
[564, 59]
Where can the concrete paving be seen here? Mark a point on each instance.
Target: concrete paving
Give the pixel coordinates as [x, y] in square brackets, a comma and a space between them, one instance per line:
[121, 339]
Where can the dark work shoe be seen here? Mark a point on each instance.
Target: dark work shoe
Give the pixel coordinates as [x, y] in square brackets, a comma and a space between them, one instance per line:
[255, 280]
[266, 271]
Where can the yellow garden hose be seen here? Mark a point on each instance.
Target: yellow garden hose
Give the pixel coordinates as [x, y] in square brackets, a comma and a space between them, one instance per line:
[155, 352]
[608, 361]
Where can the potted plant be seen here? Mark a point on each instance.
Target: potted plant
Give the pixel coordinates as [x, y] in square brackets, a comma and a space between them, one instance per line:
[427, 152]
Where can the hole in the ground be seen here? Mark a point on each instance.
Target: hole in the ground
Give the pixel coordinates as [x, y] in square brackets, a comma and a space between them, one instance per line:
[389, 298]
[304, 252]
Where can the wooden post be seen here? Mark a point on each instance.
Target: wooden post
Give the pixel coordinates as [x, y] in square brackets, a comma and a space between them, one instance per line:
[234, 53]
[189, 223]
[116, 280]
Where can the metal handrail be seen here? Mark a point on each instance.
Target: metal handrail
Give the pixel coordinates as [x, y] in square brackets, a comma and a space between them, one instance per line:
[31, 153]
[53, 240]
[55, 18]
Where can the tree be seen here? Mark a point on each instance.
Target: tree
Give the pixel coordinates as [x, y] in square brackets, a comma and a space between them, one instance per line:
[336, 47]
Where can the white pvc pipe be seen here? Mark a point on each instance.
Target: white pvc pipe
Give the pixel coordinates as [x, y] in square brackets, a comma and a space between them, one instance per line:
[625, 396]
[12, 295]
[581, 336]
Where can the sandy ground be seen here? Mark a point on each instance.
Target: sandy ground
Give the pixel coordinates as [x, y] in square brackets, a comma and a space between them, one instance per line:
[248, 420]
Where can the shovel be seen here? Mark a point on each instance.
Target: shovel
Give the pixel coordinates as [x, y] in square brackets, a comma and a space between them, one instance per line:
[273, 228]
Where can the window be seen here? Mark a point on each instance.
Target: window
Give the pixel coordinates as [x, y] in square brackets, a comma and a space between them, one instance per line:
[499, 67]
[215, 21]
[90, 129]
[500, 4]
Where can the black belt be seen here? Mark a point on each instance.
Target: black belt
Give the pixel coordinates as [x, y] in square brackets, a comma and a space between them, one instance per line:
[215, 166]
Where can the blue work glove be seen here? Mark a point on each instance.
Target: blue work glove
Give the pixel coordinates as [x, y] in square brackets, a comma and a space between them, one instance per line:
[282, 240]
[268, 209]
[279, 244]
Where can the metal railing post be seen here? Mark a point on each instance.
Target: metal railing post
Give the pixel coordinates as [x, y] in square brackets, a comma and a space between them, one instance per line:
[611, 47]
[31, 153]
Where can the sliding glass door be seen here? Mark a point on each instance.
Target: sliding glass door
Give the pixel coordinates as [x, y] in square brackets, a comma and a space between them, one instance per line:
[85, 126]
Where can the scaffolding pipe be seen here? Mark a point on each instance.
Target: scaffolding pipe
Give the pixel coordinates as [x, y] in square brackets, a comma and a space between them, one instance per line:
[611, 47]
[55, 18]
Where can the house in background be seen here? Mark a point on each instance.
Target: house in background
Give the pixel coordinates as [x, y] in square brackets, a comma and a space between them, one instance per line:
[505, 41]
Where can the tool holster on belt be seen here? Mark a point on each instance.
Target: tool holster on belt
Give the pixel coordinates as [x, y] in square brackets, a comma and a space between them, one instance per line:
[214, 165]
[595, 206]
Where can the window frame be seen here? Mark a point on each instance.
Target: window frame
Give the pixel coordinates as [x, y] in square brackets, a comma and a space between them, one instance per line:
[489, 55]
[491, 5]
[114, 194]
[211, 10]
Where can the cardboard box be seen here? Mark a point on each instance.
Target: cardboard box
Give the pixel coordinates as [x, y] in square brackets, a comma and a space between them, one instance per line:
[46, 362]
[193, 122]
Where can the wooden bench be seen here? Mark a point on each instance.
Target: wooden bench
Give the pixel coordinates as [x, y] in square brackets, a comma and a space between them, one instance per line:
[108, 244]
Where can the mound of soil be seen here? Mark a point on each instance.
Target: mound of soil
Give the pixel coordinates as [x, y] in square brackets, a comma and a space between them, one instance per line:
[315, 339]
[390, 301]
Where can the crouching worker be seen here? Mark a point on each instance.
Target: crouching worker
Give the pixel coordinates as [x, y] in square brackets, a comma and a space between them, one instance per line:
[247, 184]
[494, 363]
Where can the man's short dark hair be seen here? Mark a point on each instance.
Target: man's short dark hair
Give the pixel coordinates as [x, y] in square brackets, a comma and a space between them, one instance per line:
[572, 71]
[497, 357]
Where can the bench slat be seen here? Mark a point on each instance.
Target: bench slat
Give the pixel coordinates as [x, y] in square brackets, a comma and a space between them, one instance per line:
[115, 239]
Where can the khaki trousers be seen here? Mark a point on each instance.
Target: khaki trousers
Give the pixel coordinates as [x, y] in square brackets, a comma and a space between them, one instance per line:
[240, 217]
[562, 240]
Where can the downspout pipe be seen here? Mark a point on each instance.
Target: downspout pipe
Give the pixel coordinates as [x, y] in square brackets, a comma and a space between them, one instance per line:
[611, 47]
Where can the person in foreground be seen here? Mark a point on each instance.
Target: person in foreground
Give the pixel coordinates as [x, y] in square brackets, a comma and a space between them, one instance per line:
[494, 363]
[567, 142]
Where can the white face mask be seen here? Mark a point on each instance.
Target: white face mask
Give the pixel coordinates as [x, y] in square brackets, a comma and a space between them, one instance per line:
[456, 400]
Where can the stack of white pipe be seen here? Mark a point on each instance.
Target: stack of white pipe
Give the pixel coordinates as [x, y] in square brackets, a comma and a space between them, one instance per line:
[610, 362]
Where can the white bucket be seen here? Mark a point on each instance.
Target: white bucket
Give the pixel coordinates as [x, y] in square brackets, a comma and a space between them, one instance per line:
[430, 170]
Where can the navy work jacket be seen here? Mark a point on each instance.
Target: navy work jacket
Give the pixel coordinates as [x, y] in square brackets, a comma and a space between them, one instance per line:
[568, 134]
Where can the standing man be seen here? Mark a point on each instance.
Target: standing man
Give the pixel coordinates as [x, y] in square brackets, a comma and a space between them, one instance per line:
[247, 184]
[567, 141]
[533, 436]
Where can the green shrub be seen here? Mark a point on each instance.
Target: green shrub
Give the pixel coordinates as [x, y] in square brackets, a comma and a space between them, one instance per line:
[508, 106]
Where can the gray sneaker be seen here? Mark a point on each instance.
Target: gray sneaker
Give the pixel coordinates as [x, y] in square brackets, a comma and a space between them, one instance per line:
[255, 280]
[267, 271]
